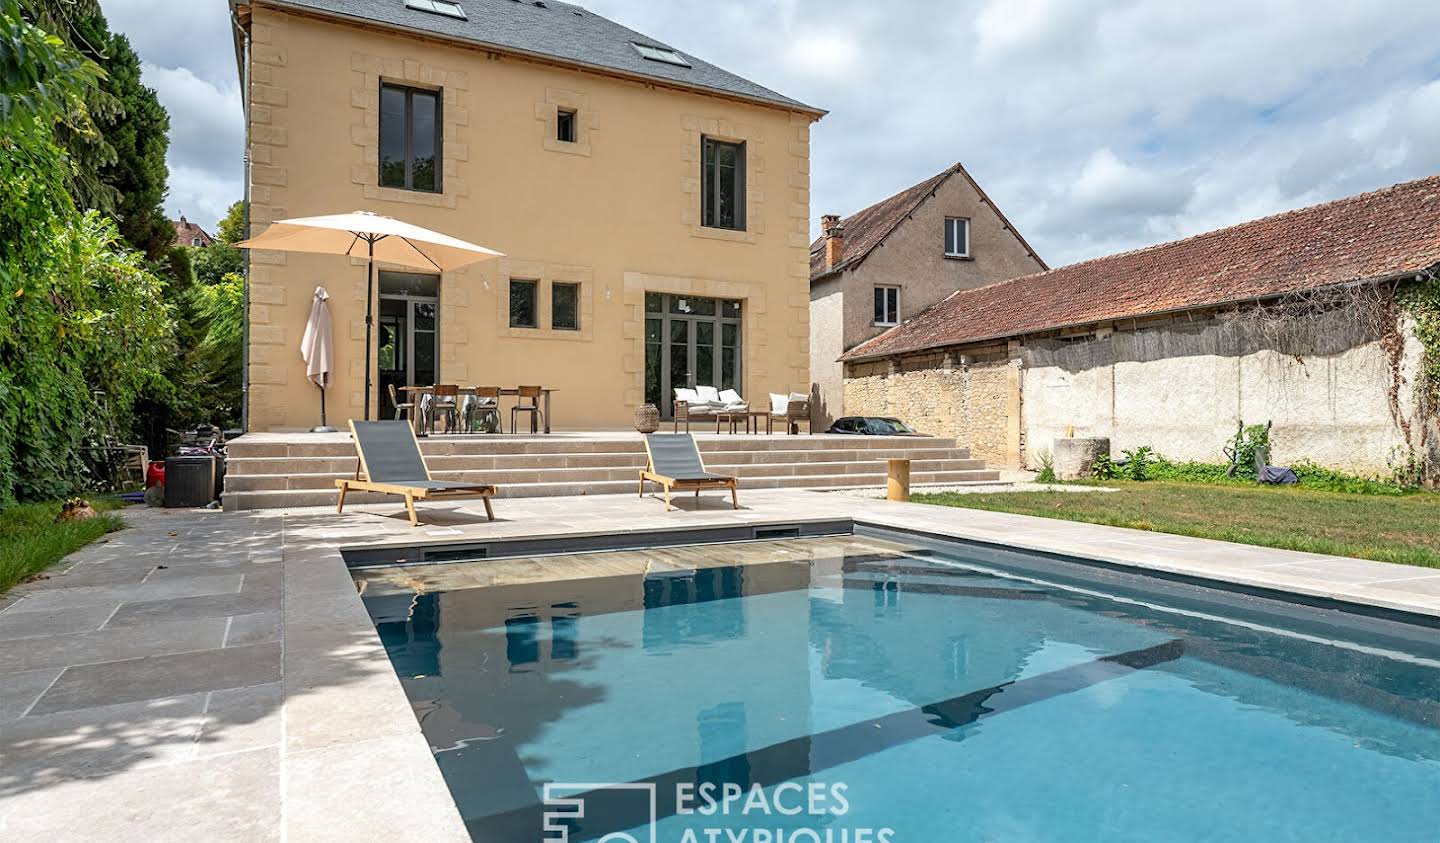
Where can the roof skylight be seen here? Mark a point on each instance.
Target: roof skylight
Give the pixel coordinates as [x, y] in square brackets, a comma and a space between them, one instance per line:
[661, 54]
[439, 7]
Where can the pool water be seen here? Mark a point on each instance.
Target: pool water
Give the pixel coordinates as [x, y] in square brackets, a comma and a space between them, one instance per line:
[921, 695]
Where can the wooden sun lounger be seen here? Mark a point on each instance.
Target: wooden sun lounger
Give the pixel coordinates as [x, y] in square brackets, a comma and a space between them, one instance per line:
[674, 462]
[390, 463]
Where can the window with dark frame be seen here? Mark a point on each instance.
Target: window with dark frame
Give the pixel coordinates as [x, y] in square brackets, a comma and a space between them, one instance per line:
[957, 237]
[887, 306]
[565, 126]
[722, 184]
[524, 303]
[410, 139]
[565, 306]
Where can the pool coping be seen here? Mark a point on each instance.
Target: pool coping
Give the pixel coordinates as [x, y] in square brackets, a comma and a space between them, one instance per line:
[1274, 571]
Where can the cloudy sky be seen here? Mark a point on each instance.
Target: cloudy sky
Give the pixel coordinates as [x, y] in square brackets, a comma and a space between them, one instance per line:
[1097, 125]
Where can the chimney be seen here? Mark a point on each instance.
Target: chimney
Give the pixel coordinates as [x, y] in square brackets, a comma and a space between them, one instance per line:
[834, 234]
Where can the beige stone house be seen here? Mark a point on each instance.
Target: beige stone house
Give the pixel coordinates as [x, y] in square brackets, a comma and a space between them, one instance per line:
[653, 208]
[879, 266]
[1297, 319]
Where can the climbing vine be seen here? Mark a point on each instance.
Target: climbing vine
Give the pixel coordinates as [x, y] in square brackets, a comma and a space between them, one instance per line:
[1421, 302]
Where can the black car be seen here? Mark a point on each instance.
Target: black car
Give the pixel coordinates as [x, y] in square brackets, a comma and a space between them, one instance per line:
[872, 426]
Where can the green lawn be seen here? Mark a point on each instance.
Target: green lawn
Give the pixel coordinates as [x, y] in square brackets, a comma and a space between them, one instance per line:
[1403, 529]
[31, 541]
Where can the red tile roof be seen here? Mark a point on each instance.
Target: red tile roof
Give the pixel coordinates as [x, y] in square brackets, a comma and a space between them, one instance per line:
[868, 228]
[1379, 235]
[186, 232]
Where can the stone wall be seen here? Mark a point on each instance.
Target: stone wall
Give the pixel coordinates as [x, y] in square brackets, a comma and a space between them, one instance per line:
[1181, 387]
[1178, 384]
[976, 402]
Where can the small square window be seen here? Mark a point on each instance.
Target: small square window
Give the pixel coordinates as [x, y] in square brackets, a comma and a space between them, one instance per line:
[565, 307]
[524, 308]
[957, 237]
[565, 126]
[887, 306]
[661, 54]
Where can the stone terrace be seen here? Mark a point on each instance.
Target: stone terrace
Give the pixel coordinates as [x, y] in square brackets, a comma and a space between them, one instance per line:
[271, 470]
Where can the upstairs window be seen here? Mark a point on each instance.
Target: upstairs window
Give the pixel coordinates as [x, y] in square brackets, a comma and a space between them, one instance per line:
[887, 306]
[722, 184]
[661, 54]
[957, 237]
[524, 304]
[565, 126]
[439, 7]
[409, 138]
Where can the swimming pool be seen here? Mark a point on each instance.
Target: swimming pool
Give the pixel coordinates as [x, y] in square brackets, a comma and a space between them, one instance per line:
[922, 693]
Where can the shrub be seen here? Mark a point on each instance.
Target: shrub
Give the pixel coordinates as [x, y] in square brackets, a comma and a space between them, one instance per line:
[1192, 472]
[1104, 468]
[1245, 444]
[1047, 468]
[1314, 476]
[1138, 462]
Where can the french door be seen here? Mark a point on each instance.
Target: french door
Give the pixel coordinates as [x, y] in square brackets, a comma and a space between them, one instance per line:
[409, 334]
[690, 341]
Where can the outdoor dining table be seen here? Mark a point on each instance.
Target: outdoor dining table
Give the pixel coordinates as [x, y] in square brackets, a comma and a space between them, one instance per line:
[514, 392]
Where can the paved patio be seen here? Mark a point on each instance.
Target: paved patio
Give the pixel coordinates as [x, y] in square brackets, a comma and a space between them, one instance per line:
[215, 676]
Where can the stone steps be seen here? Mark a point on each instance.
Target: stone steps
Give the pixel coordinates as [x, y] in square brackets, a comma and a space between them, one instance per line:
[271, 470]
[335, 446]
[581, 475]
[319, 497]
[441, 463]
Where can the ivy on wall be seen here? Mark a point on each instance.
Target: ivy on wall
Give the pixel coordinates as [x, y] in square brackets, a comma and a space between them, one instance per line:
[1421, 301]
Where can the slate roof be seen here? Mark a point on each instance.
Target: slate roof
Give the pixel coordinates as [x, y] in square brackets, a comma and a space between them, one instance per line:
[553, 30]
[1384, 234]
[868, 228]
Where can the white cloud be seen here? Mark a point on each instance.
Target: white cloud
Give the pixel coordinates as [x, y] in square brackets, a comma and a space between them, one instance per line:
[822, 54]
[1097, 126]
[1108, 185]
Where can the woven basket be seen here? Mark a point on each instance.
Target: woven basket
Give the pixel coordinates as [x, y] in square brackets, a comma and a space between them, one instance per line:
[647, 418]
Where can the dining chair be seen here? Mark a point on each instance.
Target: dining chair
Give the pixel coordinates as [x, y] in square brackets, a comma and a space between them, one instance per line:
[485, 409]
[403, 410]
[528, 401]
[445, 398]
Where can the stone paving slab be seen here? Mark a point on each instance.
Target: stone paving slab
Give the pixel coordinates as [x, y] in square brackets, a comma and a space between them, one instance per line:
[240, 691]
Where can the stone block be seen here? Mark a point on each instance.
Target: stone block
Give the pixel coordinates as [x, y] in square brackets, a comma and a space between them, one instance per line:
[1075, 457]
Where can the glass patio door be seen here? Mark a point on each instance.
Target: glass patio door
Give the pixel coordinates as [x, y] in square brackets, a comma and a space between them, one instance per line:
[409, 334]
[690, 341]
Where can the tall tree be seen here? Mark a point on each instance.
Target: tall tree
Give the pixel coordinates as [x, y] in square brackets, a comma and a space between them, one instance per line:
[118, 143]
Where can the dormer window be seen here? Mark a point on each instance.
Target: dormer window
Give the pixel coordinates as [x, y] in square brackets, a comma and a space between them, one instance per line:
[661, 54]
[438, 7]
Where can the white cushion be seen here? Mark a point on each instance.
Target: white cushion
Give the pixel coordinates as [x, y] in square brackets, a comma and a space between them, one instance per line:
[687, 395]
[709, 394]
[730, 397]
[799, 396]
[779, 403]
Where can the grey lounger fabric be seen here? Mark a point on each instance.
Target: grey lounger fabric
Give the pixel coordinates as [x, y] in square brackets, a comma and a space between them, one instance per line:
[391, 456]
[676, 457]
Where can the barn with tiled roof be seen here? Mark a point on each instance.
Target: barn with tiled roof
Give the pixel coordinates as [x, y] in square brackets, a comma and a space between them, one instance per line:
[1290, 318]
